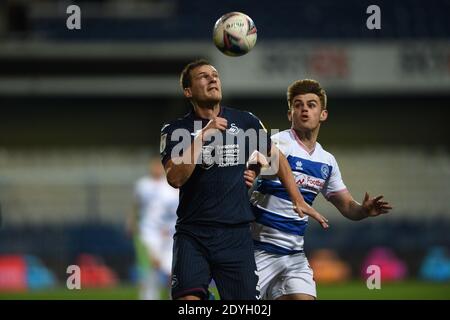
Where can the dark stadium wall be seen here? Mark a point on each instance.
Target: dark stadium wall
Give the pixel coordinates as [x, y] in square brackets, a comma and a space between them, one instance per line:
[72, 122]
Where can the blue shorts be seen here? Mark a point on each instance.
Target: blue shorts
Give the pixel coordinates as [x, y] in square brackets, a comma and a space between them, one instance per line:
[223, 254]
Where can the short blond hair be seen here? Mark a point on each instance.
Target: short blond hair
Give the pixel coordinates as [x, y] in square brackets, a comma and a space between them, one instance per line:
[306, 86]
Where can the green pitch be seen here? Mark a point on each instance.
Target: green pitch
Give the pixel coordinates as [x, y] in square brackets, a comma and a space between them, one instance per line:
[407, 290]
[347, 291]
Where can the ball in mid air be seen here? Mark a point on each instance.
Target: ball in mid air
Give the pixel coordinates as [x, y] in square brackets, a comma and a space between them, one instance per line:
[234, 34]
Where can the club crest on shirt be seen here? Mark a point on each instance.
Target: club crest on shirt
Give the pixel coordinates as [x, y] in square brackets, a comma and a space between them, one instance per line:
[207, 157]
[233, 129]
[325, 171]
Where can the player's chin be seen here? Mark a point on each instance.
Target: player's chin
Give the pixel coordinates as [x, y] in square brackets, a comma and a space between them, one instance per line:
[305, 125]
[301, 127]
[215, 98]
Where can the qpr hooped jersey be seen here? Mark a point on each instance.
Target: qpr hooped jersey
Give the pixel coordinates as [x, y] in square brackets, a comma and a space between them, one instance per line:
[278, 228]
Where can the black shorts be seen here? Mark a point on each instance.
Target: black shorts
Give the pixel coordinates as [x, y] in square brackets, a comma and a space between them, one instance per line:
[223, 254]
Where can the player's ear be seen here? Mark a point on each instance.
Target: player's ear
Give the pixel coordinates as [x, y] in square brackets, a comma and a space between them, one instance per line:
[323, 115]
[289, 115]
[187, 93]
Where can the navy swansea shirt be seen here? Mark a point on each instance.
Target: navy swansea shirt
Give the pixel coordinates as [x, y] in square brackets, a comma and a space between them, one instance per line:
[215, 194]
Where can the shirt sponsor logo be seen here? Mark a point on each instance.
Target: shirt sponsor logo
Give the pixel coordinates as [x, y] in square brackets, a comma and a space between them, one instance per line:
[310, 183]
[223, 156]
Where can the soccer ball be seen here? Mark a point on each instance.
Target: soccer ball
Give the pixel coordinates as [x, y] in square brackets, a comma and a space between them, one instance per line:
[234, 34]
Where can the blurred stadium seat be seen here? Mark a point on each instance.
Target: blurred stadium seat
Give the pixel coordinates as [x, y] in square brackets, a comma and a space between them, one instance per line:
[184, 20]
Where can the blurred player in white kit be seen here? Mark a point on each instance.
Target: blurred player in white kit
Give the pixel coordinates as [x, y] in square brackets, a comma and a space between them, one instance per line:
[153, 224]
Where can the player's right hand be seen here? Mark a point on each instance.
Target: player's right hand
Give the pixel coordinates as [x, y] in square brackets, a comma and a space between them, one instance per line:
[249, 177]
[215, 124]
[303, 208]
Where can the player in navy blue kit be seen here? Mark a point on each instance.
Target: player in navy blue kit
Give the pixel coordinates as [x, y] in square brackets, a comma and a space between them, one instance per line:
[204, 156]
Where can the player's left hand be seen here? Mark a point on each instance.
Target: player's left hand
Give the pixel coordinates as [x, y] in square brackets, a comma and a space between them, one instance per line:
[303, 208]
[249, 177]
[375, 206]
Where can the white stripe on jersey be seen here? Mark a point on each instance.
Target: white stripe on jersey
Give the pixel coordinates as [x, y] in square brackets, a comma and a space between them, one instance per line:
[273, 236]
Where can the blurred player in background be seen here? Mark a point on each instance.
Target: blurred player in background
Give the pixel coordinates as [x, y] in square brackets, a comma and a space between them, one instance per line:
[284, 271]
[213, 239]
[153, 224]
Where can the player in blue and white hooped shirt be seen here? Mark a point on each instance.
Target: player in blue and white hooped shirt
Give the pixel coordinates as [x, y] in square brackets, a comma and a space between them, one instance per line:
[284, 271]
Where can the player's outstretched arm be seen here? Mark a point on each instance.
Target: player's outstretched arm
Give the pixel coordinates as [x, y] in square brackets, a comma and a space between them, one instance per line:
[351, 209]
[287, 179]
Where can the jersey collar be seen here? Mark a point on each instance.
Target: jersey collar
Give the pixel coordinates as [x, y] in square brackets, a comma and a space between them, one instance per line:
[301, 144]
[194, 116]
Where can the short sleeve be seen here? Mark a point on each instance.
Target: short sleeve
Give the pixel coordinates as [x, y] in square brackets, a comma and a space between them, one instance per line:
[334, 183]
[169, 140]
[283, 144]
